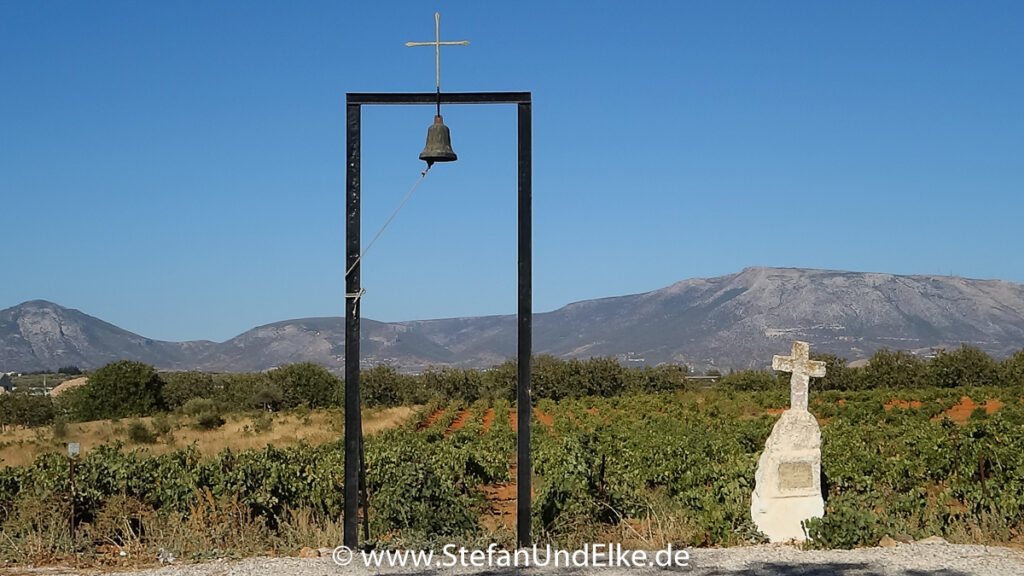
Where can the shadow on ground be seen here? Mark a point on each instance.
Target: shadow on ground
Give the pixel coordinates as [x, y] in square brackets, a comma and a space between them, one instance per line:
[822, 569]
[754, 569]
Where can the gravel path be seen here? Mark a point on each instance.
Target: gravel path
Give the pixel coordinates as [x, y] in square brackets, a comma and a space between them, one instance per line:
[904, 560]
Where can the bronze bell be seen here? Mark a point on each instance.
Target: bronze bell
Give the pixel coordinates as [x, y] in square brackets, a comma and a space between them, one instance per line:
[439, 144]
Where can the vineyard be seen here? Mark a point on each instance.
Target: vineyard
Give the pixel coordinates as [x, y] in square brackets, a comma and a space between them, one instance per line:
[643, 469]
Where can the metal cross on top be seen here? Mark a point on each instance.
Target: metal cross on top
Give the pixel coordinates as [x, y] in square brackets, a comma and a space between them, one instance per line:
[437, 46]
[803, 369]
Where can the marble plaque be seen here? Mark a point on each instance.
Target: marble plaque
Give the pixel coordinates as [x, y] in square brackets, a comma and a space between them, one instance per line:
[795, 476]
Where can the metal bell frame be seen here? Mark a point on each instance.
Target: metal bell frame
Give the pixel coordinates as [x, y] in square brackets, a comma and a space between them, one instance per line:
[354, 463]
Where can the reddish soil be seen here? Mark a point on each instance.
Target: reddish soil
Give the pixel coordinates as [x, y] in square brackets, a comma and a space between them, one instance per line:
[775, 411]
[459, 422]
[430, 420]
[501, 503]
[842, 402]
[545, 419]
[488, 419]
[961, 412]
[595, 412]
[897, 403]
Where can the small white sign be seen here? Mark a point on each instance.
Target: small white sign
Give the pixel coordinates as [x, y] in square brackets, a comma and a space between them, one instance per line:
[74, 448]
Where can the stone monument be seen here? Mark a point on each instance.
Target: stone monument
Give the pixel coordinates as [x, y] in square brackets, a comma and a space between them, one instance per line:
[787, 486]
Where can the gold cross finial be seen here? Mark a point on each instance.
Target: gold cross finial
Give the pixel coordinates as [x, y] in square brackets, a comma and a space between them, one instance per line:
[437, 46]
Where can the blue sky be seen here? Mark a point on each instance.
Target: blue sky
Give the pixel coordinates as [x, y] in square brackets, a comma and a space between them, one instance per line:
[177, 168]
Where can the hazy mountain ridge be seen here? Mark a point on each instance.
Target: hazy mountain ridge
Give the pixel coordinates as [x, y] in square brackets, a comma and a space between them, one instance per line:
[733, 321]
[39, 335]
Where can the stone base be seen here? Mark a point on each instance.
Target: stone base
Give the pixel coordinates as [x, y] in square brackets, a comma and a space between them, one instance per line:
[779, 518]
[788, 480]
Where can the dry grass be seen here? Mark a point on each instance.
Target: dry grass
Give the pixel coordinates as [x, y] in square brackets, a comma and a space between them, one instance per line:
[21, 446]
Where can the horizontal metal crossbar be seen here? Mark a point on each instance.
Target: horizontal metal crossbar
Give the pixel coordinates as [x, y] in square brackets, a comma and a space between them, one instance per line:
[385, 98]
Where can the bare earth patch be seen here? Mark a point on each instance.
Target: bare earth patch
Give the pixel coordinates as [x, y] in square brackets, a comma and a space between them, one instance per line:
[488, 420]
[961, 412]
[544, 418]
[458, 424]
[429, 421]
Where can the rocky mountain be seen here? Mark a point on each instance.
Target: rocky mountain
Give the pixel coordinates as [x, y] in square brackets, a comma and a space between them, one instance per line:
[40, 335]
[734, 321]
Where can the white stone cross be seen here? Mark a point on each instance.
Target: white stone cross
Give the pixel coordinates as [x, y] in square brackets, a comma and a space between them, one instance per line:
[437, 46]
[802, 368]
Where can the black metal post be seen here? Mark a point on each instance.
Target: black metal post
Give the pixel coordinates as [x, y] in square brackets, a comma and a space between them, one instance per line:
[354, 465]
[525, 331]
[353, 417]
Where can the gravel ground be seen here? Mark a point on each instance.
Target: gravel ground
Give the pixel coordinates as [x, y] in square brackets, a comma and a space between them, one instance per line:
[916, 559]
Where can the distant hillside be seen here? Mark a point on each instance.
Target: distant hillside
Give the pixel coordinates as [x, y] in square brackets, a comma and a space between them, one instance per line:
[734, 321]
[40, 335]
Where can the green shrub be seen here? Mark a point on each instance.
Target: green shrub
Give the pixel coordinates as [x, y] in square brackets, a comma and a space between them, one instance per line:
[305, 384]
[60, 427]
[139, 433]
[197, 406]
[162, 425]
[888, 369]
[118, 390]
[979, 413]
[965, 366]
[26, 409]
[180, 387]
[262, 422]
[209, 421]
[751, 381]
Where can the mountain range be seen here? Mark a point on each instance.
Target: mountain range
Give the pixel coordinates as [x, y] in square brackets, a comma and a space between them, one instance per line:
[727, 322]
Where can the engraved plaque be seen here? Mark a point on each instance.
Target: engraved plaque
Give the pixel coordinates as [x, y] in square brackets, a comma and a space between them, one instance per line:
[795, 476]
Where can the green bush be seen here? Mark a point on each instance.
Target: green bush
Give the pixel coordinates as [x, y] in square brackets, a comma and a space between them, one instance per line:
[26, 409]
[751, 381]
[305, 384]
[838, 376]
[262, 422]
[60, 427]
[384, 386]
[209, 421]
[162, 425]
[180, 387]
[888, 369]
[206, 413]
[965, 366]
[197, 406]
[119, 389]
[139, 433]
[1011, 370]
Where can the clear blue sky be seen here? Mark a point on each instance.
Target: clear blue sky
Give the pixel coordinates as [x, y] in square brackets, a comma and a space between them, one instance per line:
[177, 168]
